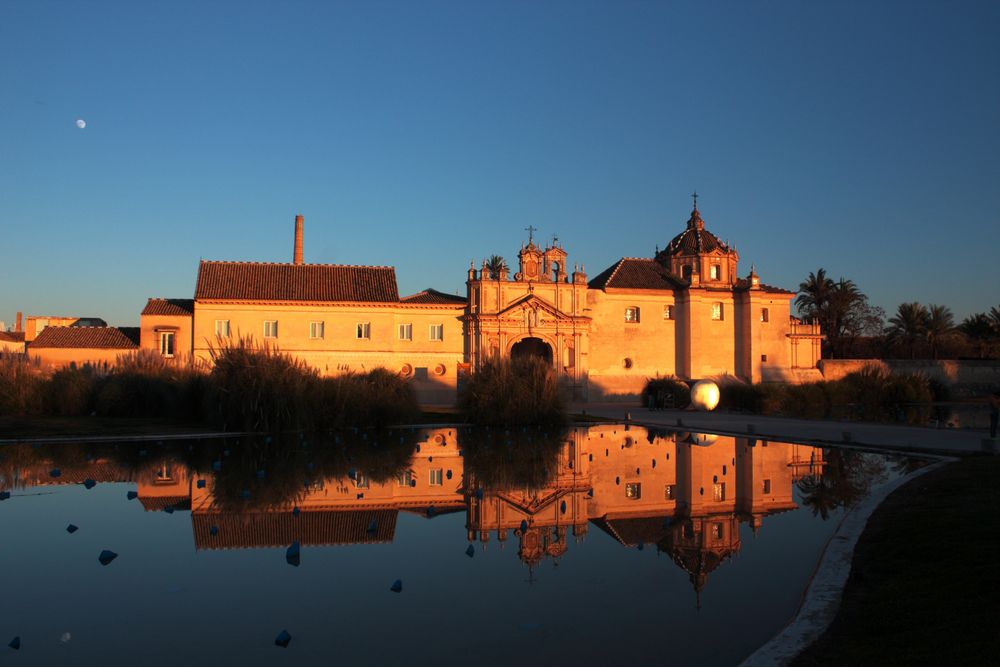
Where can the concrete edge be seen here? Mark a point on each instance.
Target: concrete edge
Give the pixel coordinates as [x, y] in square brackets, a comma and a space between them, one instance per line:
[821, 600]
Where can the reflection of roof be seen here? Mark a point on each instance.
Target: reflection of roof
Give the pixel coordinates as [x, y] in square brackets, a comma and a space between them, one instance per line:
[100, 471]
[160, 503]
[169, 307]
[635, 273]
[432, 296]
[257, 281]
[111, 338]
[12, 336]
[634, 531]
[281, 528]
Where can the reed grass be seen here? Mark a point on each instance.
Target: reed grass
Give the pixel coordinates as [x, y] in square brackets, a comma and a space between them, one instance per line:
[513, 391]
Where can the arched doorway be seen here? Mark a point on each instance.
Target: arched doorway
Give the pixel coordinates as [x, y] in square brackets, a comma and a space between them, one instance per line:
[532, 347]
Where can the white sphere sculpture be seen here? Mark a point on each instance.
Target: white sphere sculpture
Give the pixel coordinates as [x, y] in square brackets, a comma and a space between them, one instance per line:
[705, 395]
[703, 439]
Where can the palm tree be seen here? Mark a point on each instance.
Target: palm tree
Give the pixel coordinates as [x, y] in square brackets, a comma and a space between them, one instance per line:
[908, 325]
[995, 318]
[979, 330]
[940, 325]
[814, 295]
[495, 264]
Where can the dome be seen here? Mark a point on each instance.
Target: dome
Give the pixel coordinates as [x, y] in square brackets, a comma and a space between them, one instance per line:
[695, 240]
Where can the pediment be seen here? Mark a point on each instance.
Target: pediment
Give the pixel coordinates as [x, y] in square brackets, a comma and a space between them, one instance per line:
[532, 302]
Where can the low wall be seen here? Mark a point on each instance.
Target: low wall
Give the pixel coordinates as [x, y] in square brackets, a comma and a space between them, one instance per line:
[970, 374]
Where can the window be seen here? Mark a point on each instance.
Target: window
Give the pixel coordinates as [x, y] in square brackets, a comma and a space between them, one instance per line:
[405, 478]
[763, 358]
[764, 315]
[271, 329]
[405, 332]
[361, 482]
[164, 475]
[222, 328]
[715, 271]
[717, 311]
[167, 343]
[767, 486]
[668, 312]
[686, 271]
[633, 490]
[365, 330]
[436, 477]
[670, 492]
[437, 332]
[317, 329]
[632, 314]
[719, 492]
[717, 531]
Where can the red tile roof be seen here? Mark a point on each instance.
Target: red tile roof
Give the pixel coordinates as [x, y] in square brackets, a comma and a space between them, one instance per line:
[744, 284]
[12, 336]
[433, 296]
[111, 338]
[256, 281]
[280, 528]
[169, 307]
[636, 273]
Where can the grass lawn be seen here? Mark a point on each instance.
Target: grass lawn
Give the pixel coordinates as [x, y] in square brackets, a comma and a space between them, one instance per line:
[925, 582]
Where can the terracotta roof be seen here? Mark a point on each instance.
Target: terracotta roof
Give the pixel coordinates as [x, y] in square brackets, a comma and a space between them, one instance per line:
[636, 530]
[12, 336]
[110, 338]
[281, 528]
[256, 281]
[635, 273]
[435, 297]
[169, 307]
[160, 503]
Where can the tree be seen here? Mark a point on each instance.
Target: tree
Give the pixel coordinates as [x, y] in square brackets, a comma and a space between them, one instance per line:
[814, 295]
[940, 325]
[980, 330]
[908, 325]
[495, 264]
[842, 310]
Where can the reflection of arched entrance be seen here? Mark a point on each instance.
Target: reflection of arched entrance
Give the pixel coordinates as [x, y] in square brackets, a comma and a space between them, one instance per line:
[532, 347]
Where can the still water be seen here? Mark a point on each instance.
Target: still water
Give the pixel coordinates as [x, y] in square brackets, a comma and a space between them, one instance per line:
[597, 545]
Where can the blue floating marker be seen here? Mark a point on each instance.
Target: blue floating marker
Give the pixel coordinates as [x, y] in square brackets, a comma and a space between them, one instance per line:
[430, 459]
[107, 556]
[213, 531]
[201, 484]
[245, 494]
[618, 480]
[418, 447]
[360, 496]
[448, 474]
[142, 452]
[216, 466]
[641, 545]
[55, 472]
[372, 527]
[261, 474]
[4, 495]
[397, 586]
[295, 511]
[169, 509]
[293, 554]
[431, 511]
[470, 551]
[479, 494]
[282, 639]
[352, 473]
[71, 529]
[15, 643]
[524, 525]
[413, 482]
[132, 495]
[562, 507]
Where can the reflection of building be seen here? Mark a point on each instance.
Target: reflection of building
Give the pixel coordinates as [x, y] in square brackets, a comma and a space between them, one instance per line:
[687, 495]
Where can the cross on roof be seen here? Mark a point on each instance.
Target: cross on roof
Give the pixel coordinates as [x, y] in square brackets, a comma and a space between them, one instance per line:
[531, 230]
[694, 196]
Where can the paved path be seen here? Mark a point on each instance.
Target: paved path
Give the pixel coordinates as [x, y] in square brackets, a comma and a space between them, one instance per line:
[943, 441]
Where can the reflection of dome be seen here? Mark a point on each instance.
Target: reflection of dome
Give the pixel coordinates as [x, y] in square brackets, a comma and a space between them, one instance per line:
[695, 551]
[695, 240]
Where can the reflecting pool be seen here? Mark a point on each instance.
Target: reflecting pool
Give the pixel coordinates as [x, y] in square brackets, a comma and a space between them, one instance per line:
[599, 545]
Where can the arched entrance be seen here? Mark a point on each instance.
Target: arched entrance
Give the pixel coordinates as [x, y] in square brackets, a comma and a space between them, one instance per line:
[532, 347]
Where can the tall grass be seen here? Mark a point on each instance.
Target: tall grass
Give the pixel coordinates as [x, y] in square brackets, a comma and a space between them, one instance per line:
[506, 392]
[20, 385]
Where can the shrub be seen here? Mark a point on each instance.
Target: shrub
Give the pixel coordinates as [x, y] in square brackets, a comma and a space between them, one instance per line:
[260, 389]
[71, 391]
[20, 385]
[666, 392]
[377, 398]
[521, 390]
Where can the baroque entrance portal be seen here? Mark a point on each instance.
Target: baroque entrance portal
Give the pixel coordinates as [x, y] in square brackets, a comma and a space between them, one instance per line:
[532, 347]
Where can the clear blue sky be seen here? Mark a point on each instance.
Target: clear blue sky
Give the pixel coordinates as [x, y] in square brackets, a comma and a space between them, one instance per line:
[862, 137]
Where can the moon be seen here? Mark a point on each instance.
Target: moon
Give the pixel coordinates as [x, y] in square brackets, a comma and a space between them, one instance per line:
[81, 123]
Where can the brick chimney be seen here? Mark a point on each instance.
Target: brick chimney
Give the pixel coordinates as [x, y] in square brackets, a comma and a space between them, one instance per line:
[19, 321]
[297, 259]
